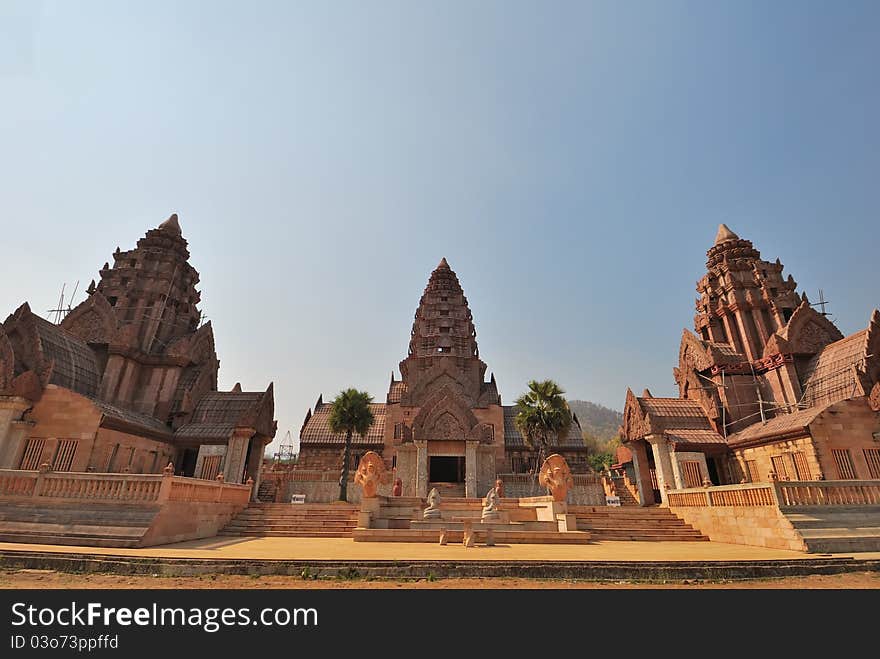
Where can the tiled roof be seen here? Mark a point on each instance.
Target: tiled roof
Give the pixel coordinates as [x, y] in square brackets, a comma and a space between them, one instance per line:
[220, 431]
[76, 366]
[829, 376]
[683, 436]
[779, 425]
[132, 418]
[727, 352]
[186, 380]
[317, 428]
[514, 439]
[224, 406]
[396, 391]
[490, 390]
[675, 413]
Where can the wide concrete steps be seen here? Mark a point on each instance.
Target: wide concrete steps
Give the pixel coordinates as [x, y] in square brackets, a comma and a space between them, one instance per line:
[97, 525]
[294, 521]
[634, 524]
[836, 529]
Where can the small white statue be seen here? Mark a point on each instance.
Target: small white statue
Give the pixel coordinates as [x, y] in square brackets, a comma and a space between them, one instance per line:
[433, 509]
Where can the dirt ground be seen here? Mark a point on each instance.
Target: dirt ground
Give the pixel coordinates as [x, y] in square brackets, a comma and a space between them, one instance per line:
[42, 579]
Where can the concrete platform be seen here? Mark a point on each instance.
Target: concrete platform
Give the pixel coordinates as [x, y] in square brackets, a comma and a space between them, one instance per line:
[600, 560]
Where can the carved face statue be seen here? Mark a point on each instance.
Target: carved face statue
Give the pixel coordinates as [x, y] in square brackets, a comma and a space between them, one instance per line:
[555, 475]
[370, 473]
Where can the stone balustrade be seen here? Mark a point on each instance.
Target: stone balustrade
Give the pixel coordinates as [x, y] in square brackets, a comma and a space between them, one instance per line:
[131, 488]
[828, 493]
[780, 493]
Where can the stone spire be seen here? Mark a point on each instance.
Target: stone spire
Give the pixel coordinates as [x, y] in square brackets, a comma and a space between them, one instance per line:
[443, 335]
[724, 234]
[153, 288]
[743, 299]
[171, 225]
[443, 323]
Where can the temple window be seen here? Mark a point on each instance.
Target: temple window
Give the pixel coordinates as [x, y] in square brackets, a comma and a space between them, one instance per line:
[786, 314]
[444, 312]
[444, 330]
[112, 301]
[444, 349]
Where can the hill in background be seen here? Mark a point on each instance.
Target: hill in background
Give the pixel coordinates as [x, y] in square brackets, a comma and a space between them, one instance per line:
[597, 422]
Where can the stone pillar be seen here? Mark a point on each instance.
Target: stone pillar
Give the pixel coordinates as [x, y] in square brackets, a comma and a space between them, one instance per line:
[662, 464]
[642, 468]
[13, 431]
[236, 450]
[470, 469]
[254, 468]
[421, 468]
[407, 456]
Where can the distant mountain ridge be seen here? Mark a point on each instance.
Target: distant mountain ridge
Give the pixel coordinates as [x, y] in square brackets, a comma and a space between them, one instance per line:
[597, 421]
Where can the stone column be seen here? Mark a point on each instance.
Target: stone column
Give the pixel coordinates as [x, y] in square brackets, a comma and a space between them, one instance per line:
[662, 464]
[639, 451]
[421, 468]
[236, 450]
[255, 468]
[13, 431]
[470, 469]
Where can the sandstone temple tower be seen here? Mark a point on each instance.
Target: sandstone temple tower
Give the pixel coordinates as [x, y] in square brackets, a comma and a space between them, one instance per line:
[442, 423]
[128, 381]
[768, 387]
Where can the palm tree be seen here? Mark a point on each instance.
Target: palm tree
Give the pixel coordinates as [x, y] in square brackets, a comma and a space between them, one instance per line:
[350, 413]
[542, 414]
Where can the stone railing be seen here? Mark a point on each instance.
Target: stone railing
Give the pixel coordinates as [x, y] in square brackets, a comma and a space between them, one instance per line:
[779, 493]
[828, 493]
[131, 488]
[192, 490]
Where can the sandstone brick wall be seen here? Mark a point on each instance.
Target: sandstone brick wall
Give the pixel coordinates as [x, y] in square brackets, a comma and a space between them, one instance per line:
[759, 526]
[785, 449]
[63, 415]
[587, 490]
[846, 425]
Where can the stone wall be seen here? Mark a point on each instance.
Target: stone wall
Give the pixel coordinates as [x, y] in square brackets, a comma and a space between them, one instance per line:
[759, 526]
[319, 487]
[63, 415]
[785, 449]
[850, 425]
[587, 490]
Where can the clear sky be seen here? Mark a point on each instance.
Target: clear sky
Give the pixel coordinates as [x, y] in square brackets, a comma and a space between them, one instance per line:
[571, 160]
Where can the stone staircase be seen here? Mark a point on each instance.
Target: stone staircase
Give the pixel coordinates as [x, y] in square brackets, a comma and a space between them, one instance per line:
[626, 497]
[634, 523]
[94, 524]
[837, 529]
[308, 520]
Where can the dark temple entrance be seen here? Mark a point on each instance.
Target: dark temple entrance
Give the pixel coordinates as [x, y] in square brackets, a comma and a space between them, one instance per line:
[446, 469]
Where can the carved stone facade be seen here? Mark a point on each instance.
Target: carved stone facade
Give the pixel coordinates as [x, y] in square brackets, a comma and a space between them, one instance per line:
[763, 375]
[442, 424]
[128, 380]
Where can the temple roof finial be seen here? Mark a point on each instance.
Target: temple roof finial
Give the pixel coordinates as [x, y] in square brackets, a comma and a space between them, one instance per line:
[724, 234]
[171, 224]
[443, 264]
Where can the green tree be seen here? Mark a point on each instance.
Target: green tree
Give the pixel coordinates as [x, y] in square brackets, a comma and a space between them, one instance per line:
[350, 413]
[542, 415]
[600, 461]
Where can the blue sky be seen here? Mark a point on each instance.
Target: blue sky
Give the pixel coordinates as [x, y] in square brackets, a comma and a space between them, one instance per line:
[571, 160]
